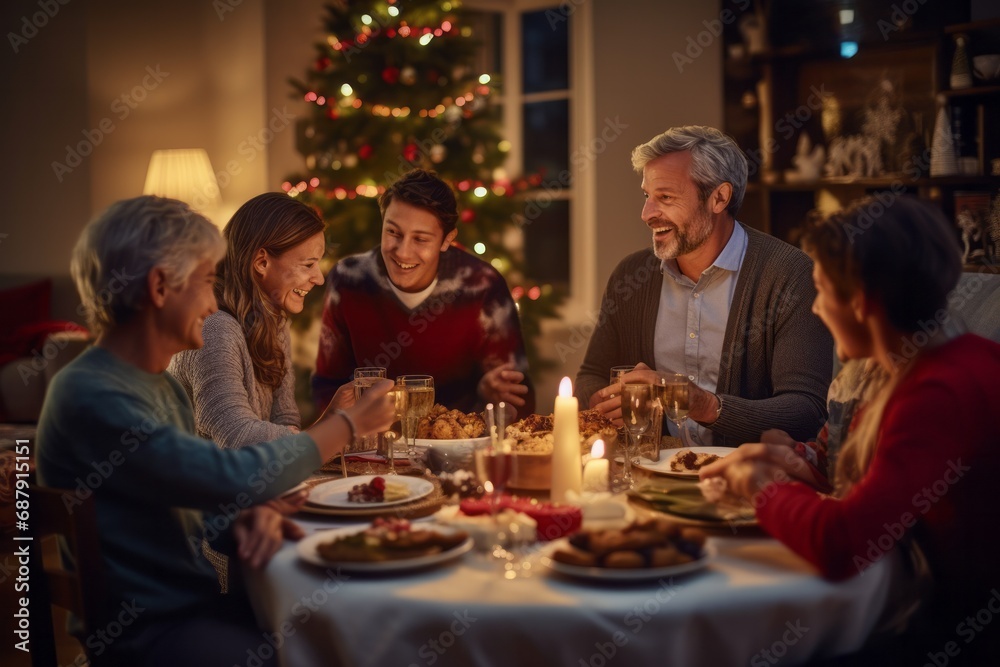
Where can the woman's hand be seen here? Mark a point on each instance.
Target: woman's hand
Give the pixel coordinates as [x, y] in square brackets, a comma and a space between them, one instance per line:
[344, 398]
[755, 465]
[260, 531]
[375, 412]
[503, 383]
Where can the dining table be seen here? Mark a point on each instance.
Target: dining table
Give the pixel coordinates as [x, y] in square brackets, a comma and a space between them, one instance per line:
[754, 602]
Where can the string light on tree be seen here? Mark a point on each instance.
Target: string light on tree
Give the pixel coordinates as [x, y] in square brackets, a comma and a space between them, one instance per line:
[400, 88]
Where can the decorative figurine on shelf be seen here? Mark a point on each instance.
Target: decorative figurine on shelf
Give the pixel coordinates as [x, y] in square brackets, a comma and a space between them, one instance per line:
[854, 156]
[961, 72]
[753, 28]
[943, 159]
[808, 161]
[972, 235]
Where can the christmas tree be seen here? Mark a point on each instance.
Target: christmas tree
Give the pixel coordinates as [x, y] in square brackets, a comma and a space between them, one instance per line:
[395, 87]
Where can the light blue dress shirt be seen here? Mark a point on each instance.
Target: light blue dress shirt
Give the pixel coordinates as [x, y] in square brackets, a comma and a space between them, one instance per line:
[691, 322]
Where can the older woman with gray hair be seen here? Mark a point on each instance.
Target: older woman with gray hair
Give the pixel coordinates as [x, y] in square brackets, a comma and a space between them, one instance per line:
[116, 404]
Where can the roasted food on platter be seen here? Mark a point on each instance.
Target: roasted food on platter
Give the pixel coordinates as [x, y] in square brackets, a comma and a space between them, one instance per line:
[389, 539]
[444, 424]
[533, 434]
[646, 543]
[378, 491]
[687, 461]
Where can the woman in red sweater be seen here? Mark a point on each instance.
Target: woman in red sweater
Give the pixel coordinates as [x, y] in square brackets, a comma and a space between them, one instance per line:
[922, 465]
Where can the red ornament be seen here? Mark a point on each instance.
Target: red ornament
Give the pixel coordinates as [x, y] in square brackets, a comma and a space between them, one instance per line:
[322, 63]
[390, 75]
[411, 153]
[467, 216]
[332, 114]
[365, 152]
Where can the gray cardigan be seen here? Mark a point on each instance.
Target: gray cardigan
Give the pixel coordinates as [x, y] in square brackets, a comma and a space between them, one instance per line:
[230, 406]
[777, 356]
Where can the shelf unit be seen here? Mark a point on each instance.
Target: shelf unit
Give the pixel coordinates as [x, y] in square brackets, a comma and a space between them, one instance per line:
[801, 84]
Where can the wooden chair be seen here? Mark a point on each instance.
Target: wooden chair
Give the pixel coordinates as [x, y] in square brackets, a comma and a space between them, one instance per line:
[79, 590]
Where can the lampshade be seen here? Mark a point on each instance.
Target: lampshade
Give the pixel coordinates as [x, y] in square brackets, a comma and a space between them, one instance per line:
[185, 174]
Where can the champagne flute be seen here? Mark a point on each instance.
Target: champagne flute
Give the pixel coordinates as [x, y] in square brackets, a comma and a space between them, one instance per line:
[616, 377]
[420, 401]
[637, 406]
[400, 400]
[673, 390]
[494, 462]
[364, 378]
[616, 374]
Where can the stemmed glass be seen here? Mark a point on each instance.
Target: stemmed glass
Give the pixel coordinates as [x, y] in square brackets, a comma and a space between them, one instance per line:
[494, 463]
[400, 400]
[673, 391]
[420, 401]
[364, 378]
[637, 406]
[617, 372]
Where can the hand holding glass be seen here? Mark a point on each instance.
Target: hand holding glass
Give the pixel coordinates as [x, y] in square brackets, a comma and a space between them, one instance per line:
[419, 402]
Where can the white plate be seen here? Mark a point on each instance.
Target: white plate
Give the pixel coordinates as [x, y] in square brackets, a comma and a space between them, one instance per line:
[662, 466]
[624, 574]
[334, 493]
[307, 550]
[461, 442]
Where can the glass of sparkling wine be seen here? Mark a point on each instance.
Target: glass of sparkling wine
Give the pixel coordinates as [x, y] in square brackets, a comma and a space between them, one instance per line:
[419, 402]
[364, 378]
[400, 400]
[637, 408]
[673, 391]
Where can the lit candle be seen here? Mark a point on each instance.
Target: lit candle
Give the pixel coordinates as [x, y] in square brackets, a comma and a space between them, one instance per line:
[596, 472]
[566, 463]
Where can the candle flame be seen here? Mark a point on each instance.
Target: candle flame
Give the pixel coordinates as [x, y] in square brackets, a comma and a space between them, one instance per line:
[566, 388]
[597, 451]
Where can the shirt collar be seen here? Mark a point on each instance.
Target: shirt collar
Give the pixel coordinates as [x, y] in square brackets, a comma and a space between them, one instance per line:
[730, 259]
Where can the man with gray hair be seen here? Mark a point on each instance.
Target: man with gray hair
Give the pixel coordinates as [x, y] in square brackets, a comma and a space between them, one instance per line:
[722, 303]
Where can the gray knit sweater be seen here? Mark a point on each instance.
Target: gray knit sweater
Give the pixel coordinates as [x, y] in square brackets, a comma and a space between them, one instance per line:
[230, 406]
[777, 356]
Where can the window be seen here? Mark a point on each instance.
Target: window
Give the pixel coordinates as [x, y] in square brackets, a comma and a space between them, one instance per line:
[539, 49]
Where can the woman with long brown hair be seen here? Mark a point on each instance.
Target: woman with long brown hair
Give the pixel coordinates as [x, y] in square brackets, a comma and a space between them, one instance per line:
[241, 382]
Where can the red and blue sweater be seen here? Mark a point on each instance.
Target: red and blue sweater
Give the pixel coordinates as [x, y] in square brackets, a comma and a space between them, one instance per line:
[467, 326]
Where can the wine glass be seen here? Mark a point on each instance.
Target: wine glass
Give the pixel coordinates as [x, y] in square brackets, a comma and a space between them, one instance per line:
[494, 462]
[364, 378]
[616, 374]
[673, 390]
[420, 401]
[637, 407]
[400, 400]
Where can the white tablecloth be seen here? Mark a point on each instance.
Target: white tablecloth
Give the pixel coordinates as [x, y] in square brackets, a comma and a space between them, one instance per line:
[757, 603]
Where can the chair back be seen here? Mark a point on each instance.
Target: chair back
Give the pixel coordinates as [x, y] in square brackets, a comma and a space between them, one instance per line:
[79, 587]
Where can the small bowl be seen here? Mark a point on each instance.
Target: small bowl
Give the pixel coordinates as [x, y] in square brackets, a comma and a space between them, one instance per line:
[987, 68]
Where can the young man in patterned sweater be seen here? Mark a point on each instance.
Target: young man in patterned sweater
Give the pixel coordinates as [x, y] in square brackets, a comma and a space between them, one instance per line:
[417, 305]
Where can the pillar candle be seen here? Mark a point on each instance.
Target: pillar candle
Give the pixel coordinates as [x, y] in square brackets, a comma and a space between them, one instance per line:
[596, 473]
[566, 474]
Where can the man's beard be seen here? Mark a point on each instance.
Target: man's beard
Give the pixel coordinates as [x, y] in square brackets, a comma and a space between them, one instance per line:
[696, 232]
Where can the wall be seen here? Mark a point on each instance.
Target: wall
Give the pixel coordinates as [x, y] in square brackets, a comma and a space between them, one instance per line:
[637, 86]
[115, 80]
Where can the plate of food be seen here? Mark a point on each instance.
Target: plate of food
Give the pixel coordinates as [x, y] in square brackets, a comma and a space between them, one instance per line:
[644, 550]
[685, 462]
[366, 491]
[385, 546]
[685, 503]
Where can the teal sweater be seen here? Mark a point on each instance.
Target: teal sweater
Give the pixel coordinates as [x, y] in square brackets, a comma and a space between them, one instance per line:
[111, 429]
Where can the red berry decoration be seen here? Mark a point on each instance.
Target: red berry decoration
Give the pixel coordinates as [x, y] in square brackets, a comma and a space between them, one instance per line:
[411, 153]
[365, 152]
[467, 216]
